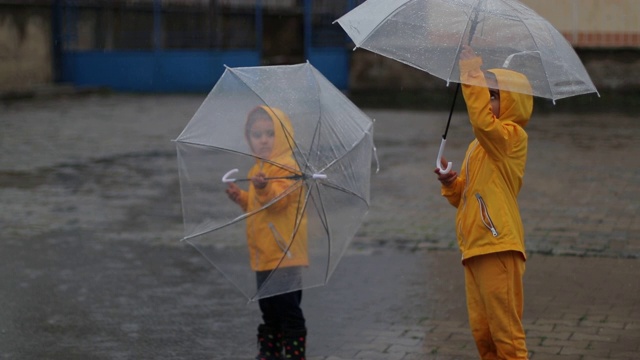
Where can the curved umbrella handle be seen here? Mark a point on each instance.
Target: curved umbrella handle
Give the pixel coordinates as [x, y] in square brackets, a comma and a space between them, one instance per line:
[226, 179]
[439, 159]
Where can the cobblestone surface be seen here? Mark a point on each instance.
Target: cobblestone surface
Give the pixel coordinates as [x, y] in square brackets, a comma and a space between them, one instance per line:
[91, 218]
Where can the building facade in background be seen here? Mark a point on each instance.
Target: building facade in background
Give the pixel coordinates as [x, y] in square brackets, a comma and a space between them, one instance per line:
[183, 45]
[593, 23]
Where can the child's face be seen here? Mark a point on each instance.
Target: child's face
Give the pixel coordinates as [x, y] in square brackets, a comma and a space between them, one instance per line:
[261, 136]
[495, 96]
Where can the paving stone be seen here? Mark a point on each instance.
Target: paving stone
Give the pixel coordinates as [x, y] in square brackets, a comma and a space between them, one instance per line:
[91, 218]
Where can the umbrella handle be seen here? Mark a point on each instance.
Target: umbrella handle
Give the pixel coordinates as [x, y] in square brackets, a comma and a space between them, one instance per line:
[439, 160]
[226, 179]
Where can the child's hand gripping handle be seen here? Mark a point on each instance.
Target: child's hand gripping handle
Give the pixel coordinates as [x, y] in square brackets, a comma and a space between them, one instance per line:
[227, 179]
[439, 159]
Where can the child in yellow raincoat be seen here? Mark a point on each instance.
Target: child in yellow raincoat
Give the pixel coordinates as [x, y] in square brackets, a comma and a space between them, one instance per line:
[276, 235]
[488, 224]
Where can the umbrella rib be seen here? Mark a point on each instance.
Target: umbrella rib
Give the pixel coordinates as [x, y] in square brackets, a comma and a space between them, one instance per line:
[343, 145]
[288, 191]
[305, 157]
[294, 148]
[316, 132]
[213, 147]
[346, 191]
[471, 34]
[328, 182]
[347, 152]
[320, 208]
[326, 229]
[293, 145]
[315, 139]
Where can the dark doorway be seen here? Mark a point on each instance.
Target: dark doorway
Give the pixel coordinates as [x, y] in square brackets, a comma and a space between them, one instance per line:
[283, 36]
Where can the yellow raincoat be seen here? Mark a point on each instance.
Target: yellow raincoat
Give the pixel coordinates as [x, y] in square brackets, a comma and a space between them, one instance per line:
[488, 224]
[270, 230]
[486, 190]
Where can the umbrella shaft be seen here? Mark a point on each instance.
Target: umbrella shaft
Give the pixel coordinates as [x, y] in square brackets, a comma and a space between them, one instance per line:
[472, 32]
[453, 104]
[474, 24]
[293, 177]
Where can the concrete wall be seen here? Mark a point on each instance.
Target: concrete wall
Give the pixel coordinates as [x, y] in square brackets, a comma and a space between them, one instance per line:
[25, 48]
[593, 23]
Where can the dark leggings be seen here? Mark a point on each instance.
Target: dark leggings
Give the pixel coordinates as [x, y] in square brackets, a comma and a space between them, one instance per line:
[282, 311]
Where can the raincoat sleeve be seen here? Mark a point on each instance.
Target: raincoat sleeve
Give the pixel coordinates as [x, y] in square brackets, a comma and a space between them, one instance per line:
[453, 191]
[492, 134]
[274, 189]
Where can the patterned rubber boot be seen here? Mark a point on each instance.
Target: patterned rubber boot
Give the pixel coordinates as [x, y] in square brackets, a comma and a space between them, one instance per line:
[269, 344]
[294, 345]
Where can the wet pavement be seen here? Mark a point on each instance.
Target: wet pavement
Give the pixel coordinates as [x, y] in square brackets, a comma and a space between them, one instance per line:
[93, 267]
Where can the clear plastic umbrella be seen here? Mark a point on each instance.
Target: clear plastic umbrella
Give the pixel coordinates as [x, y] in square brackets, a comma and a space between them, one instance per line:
[317, 169]
[429, 35]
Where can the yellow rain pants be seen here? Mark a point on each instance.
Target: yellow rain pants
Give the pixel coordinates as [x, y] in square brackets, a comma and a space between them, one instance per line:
[494, 289]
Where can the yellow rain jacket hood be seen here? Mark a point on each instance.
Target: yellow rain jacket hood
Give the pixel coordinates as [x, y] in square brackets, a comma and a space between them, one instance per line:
[486, 190]
[276, 228]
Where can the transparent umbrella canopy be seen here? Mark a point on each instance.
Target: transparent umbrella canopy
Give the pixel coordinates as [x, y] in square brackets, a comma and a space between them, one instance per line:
[429, 35]
[295, 230]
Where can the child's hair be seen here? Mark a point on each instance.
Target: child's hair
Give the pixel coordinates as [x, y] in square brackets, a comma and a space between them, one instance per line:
[254, 115]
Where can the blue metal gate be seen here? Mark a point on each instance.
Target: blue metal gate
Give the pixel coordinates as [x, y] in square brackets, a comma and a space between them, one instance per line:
[150, 47]
[326, 45]
[178, 46]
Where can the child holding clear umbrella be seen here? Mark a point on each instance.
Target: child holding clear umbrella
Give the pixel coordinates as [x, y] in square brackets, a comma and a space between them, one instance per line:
[488, 224]
[272, 243]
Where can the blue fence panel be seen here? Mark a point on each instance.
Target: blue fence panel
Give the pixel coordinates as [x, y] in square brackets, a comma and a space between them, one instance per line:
[326, 45]
[153, 71]
[125, 71]
[333, 63]
[171, 46]
[137, 47]
[199, 70]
